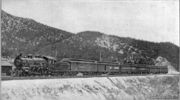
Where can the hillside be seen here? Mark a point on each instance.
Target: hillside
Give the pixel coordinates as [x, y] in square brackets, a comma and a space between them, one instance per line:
[150, 87]
[89, 45]
[26, 35]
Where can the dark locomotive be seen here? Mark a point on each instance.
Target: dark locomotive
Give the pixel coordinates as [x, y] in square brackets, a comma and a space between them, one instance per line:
[33, 65]
[44, 65]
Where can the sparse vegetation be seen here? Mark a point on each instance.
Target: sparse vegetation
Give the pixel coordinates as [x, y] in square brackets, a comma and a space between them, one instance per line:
[28, 36]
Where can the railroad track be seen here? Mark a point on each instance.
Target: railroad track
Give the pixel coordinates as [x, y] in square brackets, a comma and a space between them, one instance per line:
[65, 77]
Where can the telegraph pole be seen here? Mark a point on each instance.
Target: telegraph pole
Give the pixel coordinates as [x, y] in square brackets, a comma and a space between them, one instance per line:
[100, 59]
[54, 48]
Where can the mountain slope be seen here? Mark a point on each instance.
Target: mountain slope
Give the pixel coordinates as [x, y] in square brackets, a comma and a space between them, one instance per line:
[152, 87]
[26, 35]
[90, 45]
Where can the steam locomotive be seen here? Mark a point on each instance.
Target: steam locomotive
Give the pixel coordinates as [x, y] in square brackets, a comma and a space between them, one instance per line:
[33, 65]
[44, 65]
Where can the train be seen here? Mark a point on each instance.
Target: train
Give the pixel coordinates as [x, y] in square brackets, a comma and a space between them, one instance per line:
[89, 67]
[44, 65]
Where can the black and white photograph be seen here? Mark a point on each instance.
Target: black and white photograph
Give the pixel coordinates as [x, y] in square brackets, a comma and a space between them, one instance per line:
[90, 50]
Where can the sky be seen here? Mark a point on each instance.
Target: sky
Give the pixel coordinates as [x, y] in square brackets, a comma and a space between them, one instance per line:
[151, 20]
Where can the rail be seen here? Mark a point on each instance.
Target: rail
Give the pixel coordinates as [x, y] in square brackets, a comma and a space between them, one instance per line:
[64, 77]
